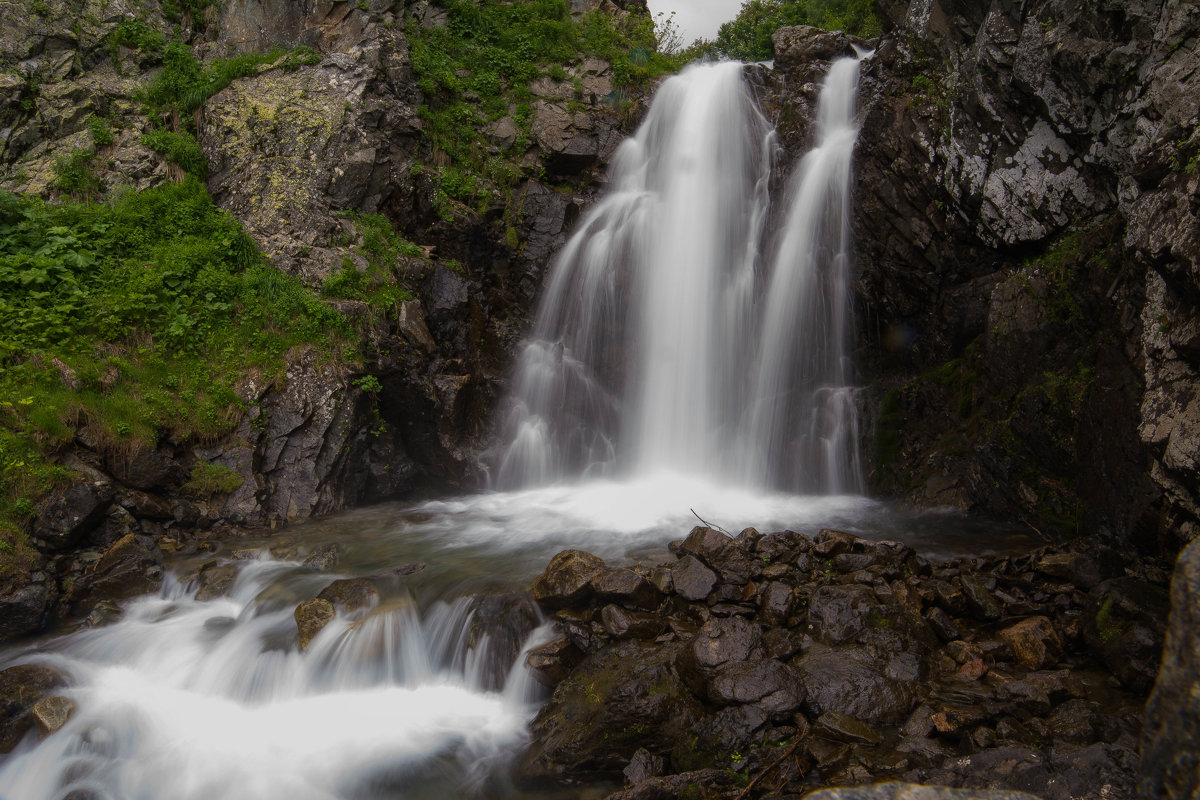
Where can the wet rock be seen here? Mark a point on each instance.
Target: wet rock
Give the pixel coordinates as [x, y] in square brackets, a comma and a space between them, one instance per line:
[709, 545]
[776, 603]
[626, 587]
[720, 643]
[1034, 642]
[1170, 764]
[774, 687]
[23, 607]
[353, 596]
[567, 579]
[553, 661]
[942, 624]
[105, 613]
[311, 618]
[979, 599]
[615, 702]
[842, 728]
[145, 467]
[624, 624]
[323, 558]
[643, 766]
[500, 624]
[691, 579]
[215, 580]
[855, 682]
[21, 688]
[837, 613]
[831, 543]
[65, 517]
[132, 566]
[704, 784]
[912, 791]
[1125, 626]
[51, 713]
[1037, 691]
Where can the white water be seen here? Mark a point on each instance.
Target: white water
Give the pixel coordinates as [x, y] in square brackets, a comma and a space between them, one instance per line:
[667, 340]
[194, 701]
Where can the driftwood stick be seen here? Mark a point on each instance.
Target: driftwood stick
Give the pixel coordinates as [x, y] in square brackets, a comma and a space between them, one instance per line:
[709, 524]
[767, 769]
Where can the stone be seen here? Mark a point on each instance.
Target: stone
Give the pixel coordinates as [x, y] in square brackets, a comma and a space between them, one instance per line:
[215, 580]
[499, 626]
[322, 558]
[838, 612]
[132, 566]
[855, 682]
[721, 642]
[1034, 642]
[845, 729]
[567, 579]
[624, 697]
[707, 544]
[691, 579]
[1170, 765]
[21, 688]
[65, 517]
[353, 596]
[51, 713]
[1124, 624]
[624, 624]
[23, 607]
[913, 791]
[311, 618]
[772, 686]
[701, 784]
[553, 661]
[642, 766]
[979, 599]
[626, 587]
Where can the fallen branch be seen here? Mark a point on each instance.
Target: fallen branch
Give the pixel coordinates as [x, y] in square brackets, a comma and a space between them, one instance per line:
[709, 524]
[767, 769]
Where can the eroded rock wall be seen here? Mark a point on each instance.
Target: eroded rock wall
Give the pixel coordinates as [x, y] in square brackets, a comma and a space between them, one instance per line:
[1026, 224]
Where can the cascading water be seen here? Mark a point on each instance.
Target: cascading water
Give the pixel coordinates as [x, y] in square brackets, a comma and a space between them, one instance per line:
[670, 340]
[666, 342]
[197, 700]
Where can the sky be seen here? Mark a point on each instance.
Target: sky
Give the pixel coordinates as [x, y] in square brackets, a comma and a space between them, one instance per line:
[697, 18]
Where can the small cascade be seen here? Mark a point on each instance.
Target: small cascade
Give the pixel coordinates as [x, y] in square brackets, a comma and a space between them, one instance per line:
[667, 340]
[195, 700]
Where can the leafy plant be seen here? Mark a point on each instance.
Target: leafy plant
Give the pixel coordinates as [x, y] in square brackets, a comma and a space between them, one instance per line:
[748, 36]
[178, 148]
[209, 480]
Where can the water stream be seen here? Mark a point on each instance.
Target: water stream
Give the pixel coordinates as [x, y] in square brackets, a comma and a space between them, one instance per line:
[690, 359]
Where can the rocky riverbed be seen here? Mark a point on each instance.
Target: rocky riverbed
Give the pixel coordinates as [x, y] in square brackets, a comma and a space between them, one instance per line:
[771, 665]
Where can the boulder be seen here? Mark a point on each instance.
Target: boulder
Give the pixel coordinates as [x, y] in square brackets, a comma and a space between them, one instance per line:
[23, 607]
[838, 612]
[311, 617]
[855, 682]
[352, 596]
[1034, 642]
[51, 713]
[621, 699]
[132, 566]
[215, 580]
[1124, 624]
[567, 580]
[627, 588]
[65, 517]
[21, 688]
[691, 579]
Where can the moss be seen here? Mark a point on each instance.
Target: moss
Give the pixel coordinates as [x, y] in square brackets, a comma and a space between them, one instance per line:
[1108, 628]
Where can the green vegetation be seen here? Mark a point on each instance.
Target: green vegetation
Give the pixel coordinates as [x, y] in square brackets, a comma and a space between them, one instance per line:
[135, 34]
[73, 173]
[748, 36]
[478, 68]
[181, 149]
[209, 480]
[133, 318]
[381, 283]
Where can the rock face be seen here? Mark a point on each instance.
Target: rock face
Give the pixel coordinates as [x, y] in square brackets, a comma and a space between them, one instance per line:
[22, 689]
[1170, 762]
[298, 152]
[1026, 228]
[851, 681]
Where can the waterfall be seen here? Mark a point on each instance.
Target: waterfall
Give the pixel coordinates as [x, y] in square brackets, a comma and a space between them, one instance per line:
[668, 340]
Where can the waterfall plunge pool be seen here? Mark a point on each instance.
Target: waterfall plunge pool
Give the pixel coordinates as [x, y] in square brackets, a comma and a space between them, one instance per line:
[198, 699]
